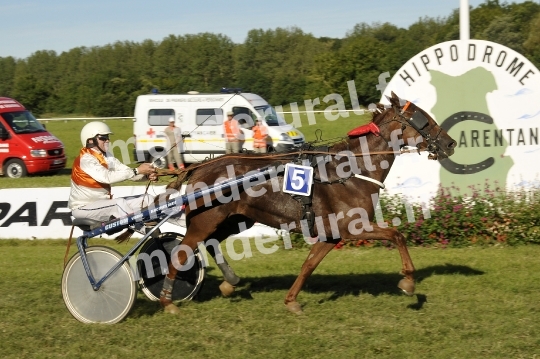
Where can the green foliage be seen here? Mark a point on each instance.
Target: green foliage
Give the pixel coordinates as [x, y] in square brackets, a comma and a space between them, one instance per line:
[277, 63]
[507, 24]
[7, 75]
[489, 216]
[504, 31]
[532, 44]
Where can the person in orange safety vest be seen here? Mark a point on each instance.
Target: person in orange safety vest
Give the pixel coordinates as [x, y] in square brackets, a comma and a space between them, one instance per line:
[232, 134]
[259, 136]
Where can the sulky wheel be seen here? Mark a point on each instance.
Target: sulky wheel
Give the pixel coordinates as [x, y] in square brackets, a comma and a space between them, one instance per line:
[112, 301]
[153, 261]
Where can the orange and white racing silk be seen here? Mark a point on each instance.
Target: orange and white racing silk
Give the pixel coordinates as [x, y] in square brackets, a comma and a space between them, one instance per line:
[92, 175]
[82, 178]
[232, 130]
[259, 136]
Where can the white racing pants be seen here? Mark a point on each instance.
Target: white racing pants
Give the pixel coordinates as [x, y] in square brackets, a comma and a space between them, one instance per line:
[102, 210]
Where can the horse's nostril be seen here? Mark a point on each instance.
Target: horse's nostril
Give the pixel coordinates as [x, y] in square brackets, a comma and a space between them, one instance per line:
[452, 144]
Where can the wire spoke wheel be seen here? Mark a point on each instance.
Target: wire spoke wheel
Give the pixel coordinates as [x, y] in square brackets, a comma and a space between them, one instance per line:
[112, 301]
[153, 261]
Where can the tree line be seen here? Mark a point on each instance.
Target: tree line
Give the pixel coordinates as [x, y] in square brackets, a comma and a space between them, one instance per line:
[283, 65]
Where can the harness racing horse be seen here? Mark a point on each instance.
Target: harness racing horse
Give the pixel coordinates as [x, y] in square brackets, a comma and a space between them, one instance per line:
[347, 175]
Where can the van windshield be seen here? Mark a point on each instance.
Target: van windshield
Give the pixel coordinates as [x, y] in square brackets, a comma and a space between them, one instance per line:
[270, 115]
[23, 122]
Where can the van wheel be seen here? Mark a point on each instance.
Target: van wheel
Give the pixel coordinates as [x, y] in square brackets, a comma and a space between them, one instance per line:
[15, 169]
[159, 162]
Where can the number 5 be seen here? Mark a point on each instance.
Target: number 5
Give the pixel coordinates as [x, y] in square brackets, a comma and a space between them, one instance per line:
[297, 181]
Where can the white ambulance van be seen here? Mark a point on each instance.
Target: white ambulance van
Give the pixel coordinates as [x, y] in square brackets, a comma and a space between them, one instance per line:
[200, 117]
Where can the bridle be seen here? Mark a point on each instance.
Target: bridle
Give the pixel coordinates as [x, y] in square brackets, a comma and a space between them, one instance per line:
[420, 123]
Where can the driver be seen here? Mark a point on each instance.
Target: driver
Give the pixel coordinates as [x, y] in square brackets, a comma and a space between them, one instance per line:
[93, 172]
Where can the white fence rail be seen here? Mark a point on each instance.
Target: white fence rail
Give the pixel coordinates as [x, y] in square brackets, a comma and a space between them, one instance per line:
[133, 118]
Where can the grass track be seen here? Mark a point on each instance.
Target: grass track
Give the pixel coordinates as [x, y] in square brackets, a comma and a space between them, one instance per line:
[472, 302]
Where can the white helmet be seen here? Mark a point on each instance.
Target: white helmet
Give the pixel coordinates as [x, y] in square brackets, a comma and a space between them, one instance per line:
[92, 129]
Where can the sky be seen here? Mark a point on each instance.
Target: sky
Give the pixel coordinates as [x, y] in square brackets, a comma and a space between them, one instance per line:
[60, 25]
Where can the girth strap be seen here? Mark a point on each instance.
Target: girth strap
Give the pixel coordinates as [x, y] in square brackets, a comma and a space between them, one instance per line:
[306, 202]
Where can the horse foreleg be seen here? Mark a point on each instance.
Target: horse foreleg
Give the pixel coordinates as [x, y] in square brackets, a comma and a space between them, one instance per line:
[391, 234]
[407, 283]
[315, 256]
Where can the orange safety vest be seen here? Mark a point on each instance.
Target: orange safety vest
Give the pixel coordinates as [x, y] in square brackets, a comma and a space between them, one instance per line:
[259, 136]
[232, 132]
[82, 178]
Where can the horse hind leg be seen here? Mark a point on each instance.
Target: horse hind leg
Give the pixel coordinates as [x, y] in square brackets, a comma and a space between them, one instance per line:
[233, 225]
[191, 241]
[228, 286]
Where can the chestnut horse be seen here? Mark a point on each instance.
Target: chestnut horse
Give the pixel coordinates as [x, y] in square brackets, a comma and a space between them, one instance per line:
[338, 197]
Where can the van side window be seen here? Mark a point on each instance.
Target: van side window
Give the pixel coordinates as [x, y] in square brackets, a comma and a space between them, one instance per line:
[160, 117]
[209, 117]
[244, 116]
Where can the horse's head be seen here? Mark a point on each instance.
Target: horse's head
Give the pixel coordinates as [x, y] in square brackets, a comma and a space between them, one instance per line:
[415, 121]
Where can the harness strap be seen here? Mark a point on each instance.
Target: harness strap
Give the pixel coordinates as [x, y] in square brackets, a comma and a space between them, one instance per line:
[369, 179]
[406, 106]
[306, 202]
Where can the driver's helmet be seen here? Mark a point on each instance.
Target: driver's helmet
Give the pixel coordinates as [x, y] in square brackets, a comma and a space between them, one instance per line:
[92, 129]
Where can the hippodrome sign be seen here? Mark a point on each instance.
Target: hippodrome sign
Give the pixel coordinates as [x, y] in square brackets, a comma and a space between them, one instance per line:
[486, 96]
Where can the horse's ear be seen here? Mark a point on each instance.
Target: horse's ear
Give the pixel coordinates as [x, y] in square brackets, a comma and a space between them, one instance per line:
[394, 100]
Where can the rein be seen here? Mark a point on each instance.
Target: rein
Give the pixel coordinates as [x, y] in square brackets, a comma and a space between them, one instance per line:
[166, 172]
[417, 121]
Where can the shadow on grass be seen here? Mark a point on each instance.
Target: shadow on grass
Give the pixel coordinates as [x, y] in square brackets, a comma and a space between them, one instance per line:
[340, 284]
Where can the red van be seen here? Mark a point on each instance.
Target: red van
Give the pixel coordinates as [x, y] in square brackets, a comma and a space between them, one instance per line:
[25, 145]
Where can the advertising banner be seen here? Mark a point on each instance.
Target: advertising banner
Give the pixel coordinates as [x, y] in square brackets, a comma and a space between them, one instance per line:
[42, 213]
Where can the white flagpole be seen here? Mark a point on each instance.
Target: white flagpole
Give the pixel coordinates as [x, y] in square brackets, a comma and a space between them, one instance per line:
[464, 32]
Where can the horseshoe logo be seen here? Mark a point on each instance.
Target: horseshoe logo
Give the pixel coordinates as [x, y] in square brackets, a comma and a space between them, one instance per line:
[457, 168]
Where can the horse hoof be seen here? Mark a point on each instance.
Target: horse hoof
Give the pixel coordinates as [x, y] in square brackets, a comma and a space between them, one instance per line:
[226, 289]
[407, 286]
[171, 309]
[294, 307]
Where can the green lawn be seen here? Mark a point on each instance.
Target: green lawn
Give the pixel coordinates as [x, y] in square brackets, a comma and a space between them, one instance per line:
[470, 303]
